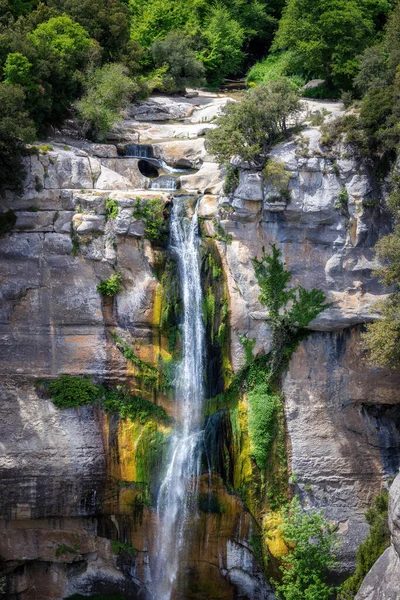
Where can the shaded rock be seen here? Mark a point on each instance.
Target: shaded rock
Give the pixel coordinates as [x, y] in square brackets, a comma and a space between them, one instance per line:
[383, 580]
[126, 168]
[250, 186]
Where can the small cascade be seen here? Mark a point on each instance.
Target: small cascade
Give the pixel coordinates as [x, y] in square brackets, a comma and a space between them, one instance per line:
[168, 169]
[165, 182]
[177, 498]
[139, 150]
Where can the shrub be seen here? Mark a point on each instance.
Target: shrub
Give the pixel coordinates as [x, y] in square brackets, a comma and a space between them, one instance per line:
[231, 179]
[152, 214]
[69, 392]
[220, 234]
[111, 209]
[108, 90]
[382, 337]
[64, 549]
[119, 547]
[261, 422]
[110, 286]
[250, 128]
[342, 204]
[276, 175]
[312, 542]
[290, 310]
[184, 69]
[273, 67]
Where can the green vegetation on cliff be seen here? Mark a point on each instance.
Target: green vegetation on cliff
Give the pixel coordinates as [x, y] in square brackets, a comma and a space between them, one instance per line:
[72, 392]
[312, 544]
[382, 338]
[290, 309]
[251, 127]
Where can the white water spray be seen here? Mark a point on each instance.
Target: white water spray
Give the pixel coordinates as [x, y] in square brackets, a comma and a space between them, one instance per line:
[177, 497]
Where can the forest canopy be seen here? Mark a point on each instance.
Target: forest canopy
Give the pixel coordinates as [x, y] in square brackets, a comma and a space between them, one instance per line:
[55, 55]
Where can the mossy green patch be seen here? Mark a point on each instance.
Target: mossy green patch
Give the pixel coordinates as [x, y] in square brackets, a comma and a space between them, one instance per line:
[261, 423]
[150, 450]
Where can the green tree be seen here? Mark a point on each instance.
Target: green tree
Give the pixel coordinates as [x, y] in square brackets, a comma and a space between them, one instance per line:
[184, 69]
[251, 127]
[290, 309]
[15, 130]
[327, 36]
[373, 70]
[108, 90]
[224, 38]
[17, 69]
[64, 51]
[312, 543]
[107, 21]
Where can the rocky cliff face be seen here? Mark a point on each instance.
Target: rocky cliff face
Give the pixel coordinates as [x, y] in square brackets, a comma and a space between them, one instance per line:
[73, 480]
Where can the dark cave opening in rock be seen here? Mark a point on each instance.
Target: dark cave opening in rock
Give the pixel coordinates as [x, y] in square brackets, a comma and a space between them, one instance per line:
[148, 169]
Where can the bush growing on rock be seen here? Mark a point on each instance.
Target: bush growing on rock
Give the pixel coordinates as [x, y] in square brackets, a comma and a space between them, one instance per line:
[110, 286]
[250, 128]
[184, 69]
[67, 391]
[312, 545]
[108, 90]
[382, 338]
[290, 310]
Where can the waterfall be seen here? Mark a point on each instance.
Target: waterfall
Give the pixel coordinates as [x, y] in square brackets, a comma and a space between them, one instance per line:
[164, 182]
[177, 496]
[139, 150]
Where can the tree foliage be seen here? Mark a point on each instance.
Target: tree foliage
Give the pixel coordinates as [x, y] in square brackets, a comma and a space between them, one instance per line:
[312, 543]
[15, 130]
[290, 309]
[183, 68]
[251, 127]
[327, 36]
[108, 90]
[382, 337]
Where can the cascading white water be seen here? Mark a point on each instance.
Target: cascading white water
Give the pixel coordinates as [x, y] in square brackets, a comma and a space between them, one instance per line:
[164, 182]
[178, 491]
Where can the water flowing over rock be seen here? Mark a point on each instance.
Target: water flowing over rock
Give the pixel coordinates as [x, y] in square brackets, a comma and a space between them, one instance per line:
[178, 490]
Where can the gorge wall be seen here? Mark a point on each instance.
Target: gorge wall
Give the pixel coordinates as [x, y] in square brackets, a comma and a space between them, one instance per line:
[74, 481]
